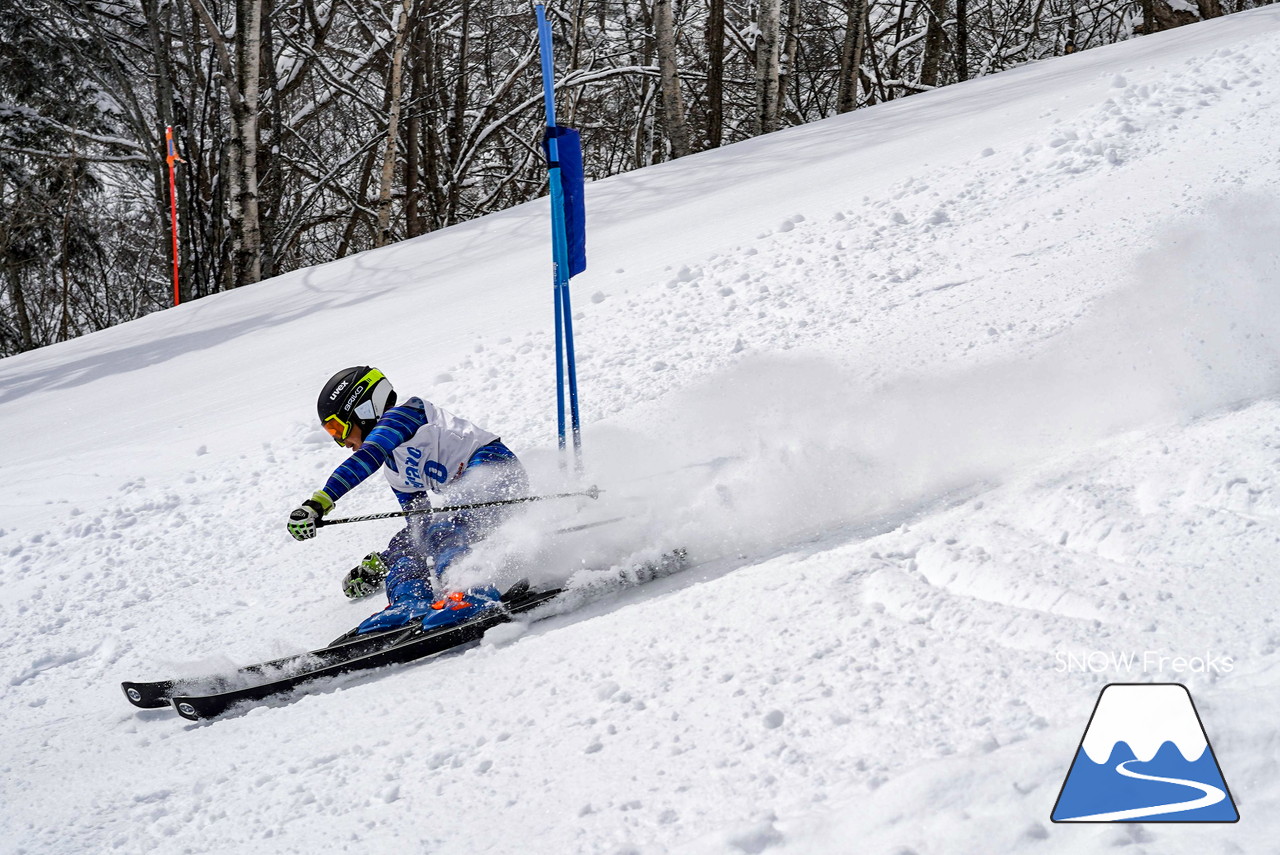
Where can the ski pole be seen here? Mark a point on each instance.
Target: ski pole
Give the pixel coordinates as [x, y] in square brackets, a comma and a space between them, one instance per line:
[591, 492]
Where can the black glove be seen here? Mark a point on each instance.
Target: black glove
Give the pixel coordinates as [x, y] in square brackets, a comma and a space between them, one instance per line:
[302, 522]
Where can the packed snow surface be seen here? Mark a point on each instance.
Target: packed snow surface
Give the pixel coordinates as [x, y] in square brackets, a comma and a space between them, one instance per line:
[963, 406]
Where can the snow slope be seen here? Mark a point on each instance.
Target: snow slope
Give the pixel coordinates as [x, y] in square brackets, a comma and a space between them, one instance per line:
[953, 401]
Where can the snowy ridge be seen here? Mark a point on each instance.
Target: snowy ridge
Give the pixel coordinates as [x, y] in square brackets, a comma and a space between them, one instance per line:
[931, 393]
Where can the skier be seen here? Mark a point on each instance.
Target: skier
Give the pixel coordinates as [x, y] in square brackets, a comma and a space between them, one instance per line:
[421, 448]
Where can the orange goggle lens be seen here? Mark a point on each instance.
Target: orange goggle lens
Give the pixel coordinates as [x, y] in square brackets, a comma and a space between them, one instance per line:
[337, 428]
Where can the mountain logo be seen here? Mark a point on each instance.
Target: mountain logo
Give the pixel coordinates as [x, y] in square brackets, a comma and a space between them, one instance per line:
[1145, 757]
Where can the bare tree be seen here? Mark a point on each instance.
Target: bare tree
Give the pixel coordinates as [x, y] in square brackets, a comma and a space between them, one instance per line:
[715, 73]
[851, 52]
[400, 23]
[935, 42]
[244, 167]
[673, 117]
[767, 66]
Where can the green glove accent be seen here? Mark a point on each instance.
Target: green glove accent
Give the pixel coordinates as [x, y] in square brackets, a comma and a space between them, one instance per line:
[364, 579]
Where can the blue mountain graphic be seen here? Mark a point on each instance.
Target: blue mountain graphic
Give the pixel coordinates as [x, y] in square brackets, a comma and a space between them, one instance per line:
[1101, 788]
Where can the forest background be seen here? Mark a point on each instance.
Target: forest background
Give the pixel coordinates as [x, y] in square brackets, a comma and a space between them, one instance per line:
[312, 129]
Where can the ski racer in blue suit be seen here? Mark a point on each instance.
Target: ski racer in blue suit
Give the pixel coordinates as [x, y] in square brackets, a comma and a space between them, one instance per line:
[421, 449]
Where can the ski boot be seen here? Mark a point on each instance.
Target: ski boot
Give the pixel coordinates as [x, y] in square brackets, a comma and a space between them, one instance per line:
[460, 606]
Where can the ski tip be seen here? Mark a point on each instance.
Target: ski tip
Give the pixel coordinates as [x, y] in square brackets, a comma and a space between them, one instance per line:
[187, 710]
[146, 696]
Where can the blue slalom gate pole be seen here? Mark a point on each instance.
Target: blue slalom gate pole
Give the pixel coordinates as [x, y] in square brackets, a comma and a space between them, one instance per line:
[565, 362]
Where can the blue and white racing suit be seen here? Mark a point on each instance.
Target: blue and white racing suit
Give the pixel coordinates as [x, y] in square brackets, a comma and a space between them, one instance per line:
[422, 448]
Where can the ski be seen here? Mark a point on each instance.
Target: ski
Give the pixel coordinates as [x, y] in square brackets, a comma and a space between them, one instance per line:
[208, 696]
[156, 694]
[413, 644]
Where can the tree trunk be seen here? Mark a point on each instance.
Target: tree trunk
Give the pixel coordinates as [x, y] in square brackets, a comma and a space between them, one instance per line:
[642, 136]
[715, 74]
[895, 56]
[673, 119]
[576, 40]
[766, 114]
[349, 232]
[23, 316]
[851, 51]
[787, 62]
[456, 139]
[271, 133]
[394, 90]
[434, 169]
[64, 255]
[873, 82]
[962, 39]
[164, 93]
[1147, 25]
[413, 147]
[248, 70]
[935, 41]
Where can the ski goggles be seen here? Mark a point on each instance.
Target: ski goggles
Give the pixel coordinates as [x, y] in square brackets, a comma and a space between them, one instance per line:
[337, 428]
